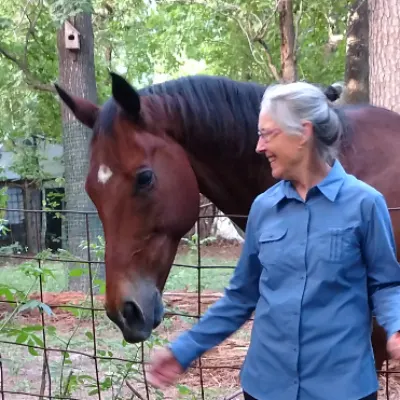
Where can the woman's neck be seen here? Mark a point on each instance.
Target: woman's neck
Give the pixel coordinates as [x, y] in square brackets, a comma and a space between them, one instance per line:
[308, 175]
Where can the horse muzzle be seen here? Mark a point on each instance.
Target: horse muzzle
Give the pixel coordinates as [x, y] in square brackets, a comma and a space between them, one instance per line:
[137, 317]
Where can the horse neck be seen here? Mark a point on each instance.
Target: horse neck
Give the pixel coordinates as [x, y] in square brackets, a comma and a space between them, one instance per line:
[230, 182]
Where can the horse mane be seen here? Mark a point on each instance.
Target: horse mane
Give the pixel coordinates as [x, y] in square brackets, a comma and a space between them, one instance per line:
[219, 115]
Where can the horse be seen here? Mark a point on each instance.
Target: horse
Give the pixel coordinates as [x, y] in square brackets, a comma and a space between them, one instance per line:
[155, 149]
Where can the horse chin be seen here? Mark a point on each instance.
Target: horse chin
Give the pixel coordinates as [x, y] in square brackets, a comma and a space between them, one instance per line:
[138, 332]
[133, 336]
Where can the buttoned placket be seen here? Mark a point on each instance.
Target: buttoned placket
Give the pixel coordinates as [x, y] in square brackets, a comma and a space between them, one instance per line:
[301, 274]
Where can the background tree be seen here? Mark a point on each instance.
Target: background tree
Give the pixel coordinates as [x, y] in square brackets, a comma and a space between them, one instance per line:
[75, 44]
[384, 53]
[357, 58]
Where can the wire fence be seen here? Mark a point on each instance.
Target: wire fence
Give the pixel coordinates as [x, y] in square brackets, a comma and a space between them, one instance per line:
[57, 343]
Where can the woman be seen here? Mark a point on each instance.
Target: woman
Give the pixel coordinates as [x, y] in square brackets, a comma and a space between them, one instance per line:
[319, 251]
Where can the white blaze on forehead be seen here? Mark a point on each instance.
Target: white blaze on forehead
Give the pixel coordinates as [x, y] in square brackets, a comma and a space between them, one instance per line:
[104, 174]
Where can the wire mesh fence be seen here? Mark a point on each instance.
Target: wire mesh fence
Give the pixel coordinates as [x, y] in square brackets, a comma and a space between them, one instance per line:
[57, 342]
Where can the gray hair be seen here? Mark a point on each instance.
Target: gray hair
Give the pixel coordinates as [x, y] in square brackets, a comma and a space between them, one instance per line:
[290, 104]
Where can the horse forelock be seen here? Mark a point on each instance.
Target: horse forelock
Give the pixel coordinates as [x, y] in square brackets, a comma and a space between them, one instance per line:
[106, 118]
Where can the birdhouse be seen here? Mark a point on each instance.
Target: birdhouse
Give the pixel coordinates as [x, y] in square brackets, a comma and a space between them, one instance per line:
[71, 37]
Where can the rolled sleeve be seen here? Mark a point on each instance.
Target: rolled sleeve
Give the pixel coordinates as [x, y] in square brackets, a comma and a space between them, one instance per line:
[230, 312]
[383, 268]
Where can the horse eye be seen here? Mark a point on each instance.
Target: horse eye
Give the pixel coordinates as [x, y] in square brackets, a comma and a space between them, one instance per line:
[144, 179]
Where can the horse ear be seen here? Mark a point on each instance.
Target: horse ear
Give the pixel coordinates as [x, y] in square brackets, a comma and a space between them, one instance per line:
[84, 110]
[125, 95]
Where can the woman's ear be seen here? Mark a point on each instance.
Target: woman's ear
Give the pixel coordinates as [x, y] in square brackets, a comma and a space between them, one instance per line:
[308, 131]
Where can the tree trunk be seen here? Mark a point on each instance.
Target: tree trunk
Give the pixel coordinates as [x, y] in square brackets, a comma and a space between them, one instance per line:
[357, 63]
[33, 219]
[77, 75]
[384, 81]
[288, 50]
[384, 53]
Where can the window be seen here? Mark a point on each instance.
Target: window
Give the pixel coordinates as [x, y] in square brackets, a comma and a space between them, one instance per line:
[15, 201]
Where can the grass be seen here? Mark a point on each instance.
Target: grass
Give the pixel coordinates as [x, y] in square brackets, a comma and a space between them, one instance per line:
[180, 278]
[16, 277]
[215, 278]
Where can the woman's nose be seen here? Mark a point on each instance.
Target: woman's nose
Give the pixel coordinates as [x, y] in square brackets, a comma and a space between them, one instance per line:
[260, 148]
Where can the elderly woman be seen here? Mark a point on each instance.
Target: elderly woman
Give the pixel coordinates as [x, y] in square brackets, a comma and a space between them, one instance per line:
[319, 252]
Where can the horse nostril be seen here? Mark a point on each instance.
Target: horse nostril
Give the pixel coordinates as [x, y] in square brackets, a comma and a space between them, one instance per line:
[132, 313]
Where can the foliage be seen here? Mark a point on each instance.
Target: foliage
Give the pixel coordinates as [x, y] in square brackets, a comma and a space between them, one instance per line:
[115, 374]
[151, 41]
[193, 242]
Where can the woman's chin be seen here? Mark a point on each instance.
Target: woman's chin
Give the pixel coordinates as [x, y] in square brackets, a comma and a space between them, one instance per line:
[276, 172]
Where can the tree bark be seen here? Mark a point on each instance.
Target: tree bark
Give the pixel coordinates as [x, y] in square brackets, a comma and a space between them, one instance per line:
[288, 45]
[77, 75]
[384, 53]
[33, 219]
[357, 63]
[384, 81]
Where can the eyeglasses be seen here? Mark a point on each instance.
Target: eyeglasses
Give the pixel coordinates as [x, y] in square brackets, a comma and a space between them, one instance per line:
[268, 134]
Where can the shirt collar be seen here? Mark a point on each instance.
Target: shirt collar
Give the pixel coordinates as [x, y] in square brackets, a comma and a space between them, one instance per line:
[329, 186]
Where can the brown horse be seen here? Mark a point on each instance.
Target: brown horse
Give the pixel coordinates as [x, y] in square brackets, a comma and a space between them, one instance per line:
[154, 150]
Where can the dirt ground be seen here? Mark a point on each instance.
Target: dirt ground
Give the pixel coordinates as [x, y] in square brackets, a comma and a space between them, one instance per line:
[220, 367]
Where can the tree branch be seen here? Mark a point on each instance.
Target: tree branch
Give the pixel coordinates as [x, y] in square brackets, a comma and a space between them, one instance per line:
[31, 32]
[134, 391]
[44, 87]
[228, 11]
[263, 29]
[30, 79]
[270, 63]
[7, 55]
[297, 29]
[22, 63]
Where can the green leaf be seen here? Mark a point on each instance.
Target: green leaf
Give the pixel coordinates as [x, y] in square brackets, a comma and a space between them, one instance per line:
[85, 378]
[67, 360]
[22, 338]
[52, 330]
[33, 351]
[73, 310]
[183, 389]
[77, 272]
[89, 335]
[37, 340]
[32, 328]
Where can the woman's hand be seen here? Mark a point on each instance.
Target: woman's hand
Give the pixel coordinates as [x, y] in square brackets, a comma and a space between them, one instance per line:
[164, 369]
[393, 346]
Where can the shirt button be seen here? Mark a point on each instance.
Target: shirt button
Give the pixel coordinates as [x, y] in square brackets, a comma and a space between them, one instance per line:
[302, 277]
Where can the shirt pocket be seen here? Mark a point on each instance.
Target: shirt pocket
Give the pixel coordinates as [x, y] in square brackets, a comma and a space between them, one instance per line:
[341, 245]
[271, 246]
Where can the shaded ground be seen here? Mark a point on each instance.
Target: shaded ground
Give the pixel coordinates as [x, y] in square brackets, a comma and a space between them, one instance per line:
[220, 366]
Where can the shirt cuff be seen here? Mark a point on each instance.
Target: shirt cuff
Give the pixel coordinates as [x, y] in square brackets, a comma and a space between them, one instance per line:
[184, 350]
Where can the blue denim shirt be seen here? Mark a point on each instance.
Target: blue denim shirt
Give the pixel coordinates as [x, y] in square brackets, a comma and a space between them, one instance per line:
[313, 271]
